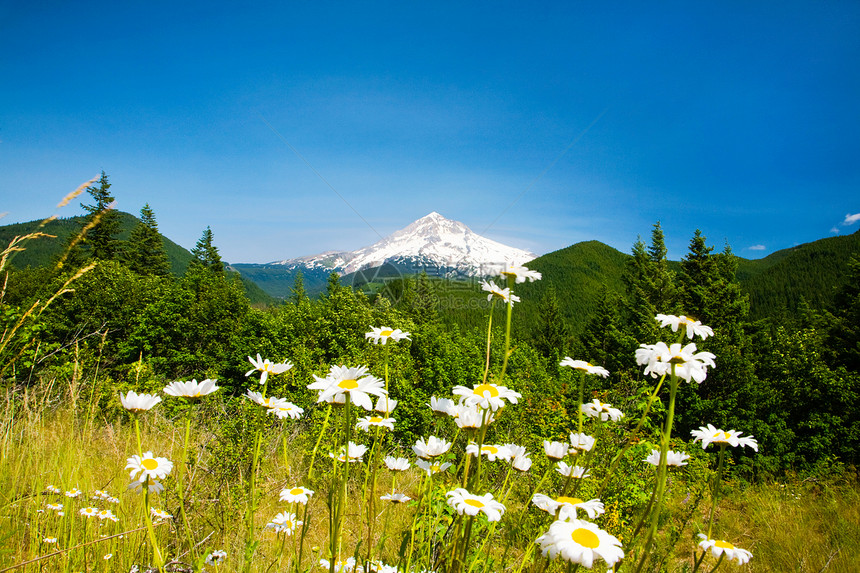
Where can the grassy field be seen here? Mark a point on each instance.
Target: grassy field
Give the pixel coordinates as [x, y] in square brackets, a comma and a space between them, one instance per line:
[53, 435]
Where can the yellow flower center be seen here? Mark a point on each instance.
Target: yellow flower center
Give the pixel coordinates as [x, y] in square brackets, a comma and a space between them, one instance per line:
[490, 449]
[435, 468]
[724, 544]
[348, 384]
[297, 491]
[375, 419]
[585, 538]
[480, 390]
[474, 503]
[722, 437]
[677, 359]
[267, 403]
[149, 464]
[386, 332]
[570, 500]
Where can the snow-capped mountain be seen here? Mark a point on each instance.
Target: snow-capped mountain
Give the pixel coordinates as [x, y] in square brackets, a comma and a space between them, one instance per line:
[431, 241]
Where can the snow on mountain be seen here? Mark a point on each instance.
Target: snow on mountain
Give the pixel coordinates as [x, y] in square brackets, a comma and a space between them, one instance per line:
[433, 241]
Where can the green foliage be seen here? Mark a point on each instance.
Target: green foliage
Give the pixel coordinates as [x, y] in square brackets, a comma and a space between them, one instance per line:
[144, 251]
[101, 223]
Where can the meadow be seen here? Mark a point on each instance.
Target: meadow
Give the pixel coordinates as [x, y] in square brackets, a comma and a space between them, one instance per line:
[161, 423]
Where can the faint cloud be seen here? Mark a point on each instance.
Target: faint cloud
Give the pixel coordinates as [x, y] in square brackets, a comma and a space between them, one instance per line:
[834, 230]
[851, 219]
[757, 248]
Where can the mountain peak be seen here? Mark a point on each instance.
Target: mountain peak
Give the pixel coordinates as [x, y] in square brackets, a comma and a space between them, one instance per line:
[431, 240]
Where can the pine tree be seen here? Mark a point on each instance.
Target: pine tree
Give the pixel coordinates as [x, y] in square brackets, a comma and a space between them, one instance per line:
[662, 292]
[100, 238]
[640, 309]
[144, 250]
[206, 254]
[551, 338]
[298, 294]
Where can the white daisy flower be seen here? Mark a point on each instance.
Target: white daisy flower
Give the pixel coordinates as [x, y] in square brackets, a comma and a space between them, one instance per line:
[148, 466]
[354, 381]
[431, 448]
[382, 334]
[498, 292]
[580, 542]
[592, 507]
[470, 504]
[584, 366]
[355, 453]
[49, 540]
[385, 405]
[107, 514]
[55, 506]
[719, 547]
[159, 513]
[396, 464]
[487, 396]
[108, 556]
[472, 417]
[522, 463]
[267, 367]
[597, 409]
[520, 273]
[296, 494]
[89, 511]
[576, 471]
[673, 458]
[52, 489]
[432, 468]
[369, 423]
[710, 434]
[216, 557]
[271, 402]
[74, 492]
[192, 389]
[659, 358]
[135, 402]
[442, 406]
[556, 450]
[493, 452]
[395, 497]
[694, 327]
[286, 409]
[284, 523]
[581, 442]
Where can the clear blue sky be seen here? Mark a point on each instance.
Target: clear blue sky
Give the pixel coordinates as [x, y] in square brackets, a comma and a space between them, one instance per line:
[537, 126]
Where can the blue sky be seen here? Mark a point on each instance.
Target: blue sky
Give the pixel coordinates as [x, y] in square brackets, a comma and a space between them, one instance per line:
[537, 125]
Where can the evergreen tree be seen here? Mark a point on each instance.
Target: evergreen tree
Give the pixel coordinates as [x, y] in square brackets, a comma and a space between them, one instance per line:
[103, 222]
[662, 292]
[144, 250]
[700, 275]
[298, 294]
[604, 341]
[845, 335]
[206, 254]
[426, 303]
[638, 281]
[551, 338]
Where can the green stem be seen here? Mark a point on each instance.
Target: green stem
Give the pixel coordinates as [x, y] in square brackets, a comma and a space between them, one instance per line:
[250, 546]
[662, 468]
[715, 492]
[489, 339]
[156, 553]
[317, 445]
[581, 398]
[507, 331]
[181, 488]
